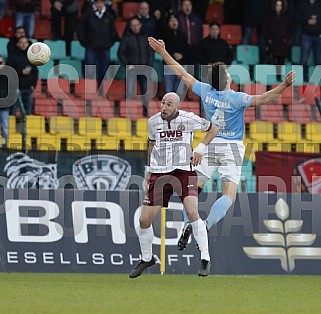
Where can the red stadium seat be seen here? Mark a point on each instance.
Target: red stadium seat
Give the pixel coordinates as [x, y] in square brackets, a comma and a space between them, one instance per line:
[58, 88]
[120, 27]
[87, 89]
[74, 108]
[129, 9]
[42, 29]
[102, 109]
[191, 106]
[153, 107]
[308, 93]
[47, 107]
[232, 34]
[7, 26]
[45, 9]
[38, 92]
[300, 113]
[215, 13]
[254, 89]
[272, 113]
[114, 89]
[249, 115]
[131, 109]
[206, 30]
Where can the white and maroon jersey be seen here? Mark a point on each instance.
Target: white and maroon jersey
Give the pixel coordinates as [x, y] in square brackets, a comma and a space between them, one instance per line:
[173, 147]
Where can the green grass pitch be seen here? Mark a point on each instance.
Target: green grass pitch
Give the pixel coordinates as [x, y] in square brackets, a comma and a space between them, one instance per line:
[153, 294]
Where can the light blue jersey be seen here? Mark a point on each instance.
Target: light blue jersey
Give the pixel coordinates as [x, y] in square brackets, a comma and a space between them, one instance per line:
[225, 109]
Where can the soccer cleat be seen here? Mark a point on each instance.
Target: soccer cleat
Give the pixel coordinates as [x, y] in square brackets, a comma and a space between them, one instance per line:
[205, 268]
[183, 240]
[141, 266]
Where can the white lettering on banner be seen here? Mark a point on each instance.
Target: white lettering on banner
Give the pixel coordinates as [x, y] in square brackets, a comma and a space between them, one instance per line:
[119, 257]
[81, 222]
[14, 221]
[95, 258]
[175, 224]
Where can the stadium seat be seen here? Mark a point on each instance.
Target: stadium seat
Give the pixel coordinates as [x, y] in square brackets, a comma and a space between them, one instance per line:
[58, 88]
[315, 74]
[45, 142]
[7, 26]
[3, 47]
[57, 47]
[35, 125]
[265, 74]
[251, 147]
[90, 127]
[120, 27]
[278, 146]
[12, 125]
[45, 9]
[136, 143]
[254, 89]
[215, 13]
[74, 108]
[191, 106]
[232, 34]
[300, 112]
[120, 128]
[296, 54]
[47, 71]
[103, 109]
[131, 109]
[240, 74]
[38, 91]
[206, 31]
[87, 89]
[14, 141]
[106, 142]
[42, 28]
[77, 50]
[313, 132]
[298, 70]
[129, 9]
[61, 126]
[114, 89]
[308, 93]
[289, 96]
[47, 107]
[289, 132]
[70, 69]
[113, 53]
[247, 54]
[308, 147]
[142, 128]
[77, 142]
[250, 115]
[261, 131]
[153, 108]
[272, 113]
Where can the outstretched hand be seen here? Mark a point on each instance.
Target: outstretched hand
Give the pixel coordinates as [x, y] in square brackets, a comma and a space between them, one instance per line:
[157, 45]
[290, 78]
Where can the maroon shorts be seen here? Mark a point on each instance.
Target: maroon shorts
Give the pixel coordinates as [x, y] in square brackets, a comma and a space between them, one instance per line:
[161, 186]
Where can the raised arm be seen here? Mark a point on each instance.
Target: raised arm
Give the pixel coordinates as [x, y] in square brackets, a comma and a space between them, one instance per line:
[159, 47]
[274, 93]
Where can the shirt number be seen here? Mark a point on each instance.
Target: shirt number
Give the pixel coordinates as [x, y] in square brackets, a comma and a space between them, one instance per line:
[218, 119]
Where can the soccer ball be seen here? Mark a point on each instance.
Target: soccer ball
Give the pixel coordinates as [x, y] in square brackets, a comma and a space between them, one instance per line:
[38, 54]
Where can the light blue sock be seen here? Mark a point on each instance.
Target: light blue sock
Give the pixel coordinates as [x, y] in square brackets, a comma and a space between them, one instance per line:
[218, 210]
[185, 218]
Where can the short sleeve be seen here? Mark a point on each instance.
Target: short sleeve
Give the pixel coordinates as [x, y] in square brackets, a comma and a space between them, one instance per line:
[242, 100]
[151, 134]
[200, 89]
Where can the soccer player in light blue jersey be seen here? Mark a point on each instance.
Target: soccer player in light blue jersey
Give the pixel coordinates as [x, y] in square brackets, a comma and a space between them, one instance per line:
[225, 109]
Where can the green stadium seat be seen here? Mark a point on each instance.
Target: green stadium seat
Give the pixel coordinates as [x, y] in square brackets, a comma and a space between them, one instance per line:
[315, 75]
[296, 54]
[71, 69]
[47, 71]
[113, 53]
[3, 47]
[265, 74]
[240, 73]
[247, 54]
[77, 50]
[299, 73]
[57, 47]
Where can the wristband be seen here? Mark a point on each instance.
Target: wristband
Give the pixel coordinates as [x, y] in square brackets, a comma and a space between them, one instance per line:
[200, 148]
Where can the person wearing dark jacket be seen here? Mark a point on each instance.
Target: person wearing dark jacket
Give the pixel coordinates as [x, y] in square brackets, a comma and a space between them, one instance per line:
[278, 30]
[68, 9]
[177, 47]
[97, 33]
[308, 14]
[24, 15]
[135, 53]
[27, 74]
[12, 43]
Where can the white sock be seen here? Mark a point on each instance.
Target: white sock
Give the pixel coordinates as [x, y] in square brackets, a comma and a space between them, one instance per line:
[146, 241]
[200, 235]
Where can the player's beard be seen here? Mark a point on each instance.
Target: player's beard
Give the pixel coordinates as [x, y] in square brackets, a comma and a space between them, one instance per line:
[169, 117]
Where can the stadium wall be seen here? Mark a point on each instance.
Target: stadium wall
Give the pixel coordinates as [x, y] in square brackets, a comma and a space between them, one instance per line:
[70, 230]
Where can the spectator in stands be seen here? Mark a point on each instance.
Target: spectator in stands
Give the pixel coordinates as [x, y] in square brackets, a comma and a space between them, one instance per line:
[68, 9]
[27, 74]
[4, 111]
[12, 44]
[253, 18]
[2, 8]
[177, 47]
[163, 8]
[213, 48]
[200, 8]
[308, 14]
[190, 24]
[149, 23]
[97, 33]
[24, 15]
[278, 33]
[135, 53]
[89, 4]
